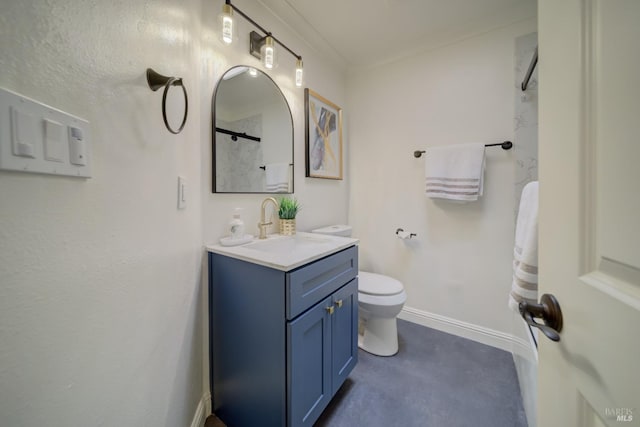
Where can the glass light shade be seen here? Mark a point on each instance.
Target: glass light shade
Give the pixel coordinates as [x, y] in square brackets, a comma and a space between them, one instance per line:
[299, 73]
[268, 53]
[226, 24]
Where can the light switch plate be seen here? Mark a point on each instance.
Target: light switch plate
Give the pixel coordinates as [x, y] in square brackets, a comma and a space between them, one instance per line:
[182, 193]
[23, 135]
[53, 134]
[77, 147]
[35, 138]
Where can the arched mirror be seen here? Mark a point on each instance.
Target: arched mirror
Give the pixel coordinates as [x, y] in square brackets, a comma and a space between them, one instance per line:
[252, 134]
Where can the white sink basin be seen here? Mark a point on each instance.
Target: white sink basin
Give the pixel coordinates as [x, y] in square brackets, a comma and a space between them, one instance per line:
[287, 244]
[286, 252]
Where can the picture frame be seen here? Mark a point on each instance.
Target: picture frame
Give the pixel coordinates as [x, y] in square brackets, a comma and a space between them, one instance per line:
[323, 137]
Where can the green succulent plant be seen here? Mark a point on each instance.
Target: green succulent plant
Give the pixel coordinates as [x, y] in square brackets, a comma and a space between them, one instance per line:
[288, 208]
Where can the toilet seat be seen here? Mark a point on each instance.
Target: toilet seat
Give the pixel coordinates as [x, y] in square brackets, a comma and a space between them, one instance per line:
[378, 285]
[382, 300]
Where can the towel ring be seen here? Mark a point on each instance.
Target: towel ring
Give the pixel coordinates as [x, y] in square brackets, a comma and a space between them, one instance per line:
[156, 81]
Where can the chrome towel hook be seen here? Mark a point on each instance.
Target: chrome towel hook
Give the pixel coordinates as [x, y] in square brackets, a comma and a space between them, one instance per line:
[156, 81]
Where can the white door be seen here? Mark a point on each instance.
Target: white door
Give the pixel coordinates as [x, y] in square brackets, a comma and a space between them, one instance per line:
[589, 133]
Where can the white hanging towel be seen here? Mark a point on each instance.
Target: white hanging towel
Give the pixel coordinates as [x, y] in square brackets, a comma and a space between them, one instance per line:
[277, 177]
[524, 286]
[455, 172]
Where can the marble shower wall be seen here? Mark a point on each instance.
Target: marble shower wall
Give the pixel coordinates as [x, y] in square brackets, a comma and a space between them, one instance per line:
[238, 162]
[526, 170]
[526, 116]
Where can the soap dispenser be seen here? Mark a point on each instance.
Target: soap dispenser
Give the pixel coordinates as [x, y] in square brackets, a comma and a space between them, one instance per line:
[236, 225]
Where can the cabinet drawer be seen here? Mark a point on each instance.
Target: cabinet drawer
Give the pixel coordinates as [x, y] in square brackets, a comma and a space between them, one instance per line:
[309, 284]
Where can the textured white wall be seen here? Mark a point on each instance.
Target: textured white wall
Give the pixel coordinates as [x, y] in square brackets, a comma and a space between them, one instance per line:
[102, 303]
[100, 313]
[460, 264]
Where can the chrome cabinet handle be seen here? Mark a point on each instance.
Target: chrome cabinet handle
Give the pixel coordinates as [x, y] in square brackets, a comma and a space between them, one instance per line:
[549, 311]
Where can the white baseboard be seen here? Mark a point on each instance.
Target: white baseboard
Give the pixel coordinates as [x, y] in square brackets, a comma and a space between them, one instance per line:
[202, 411]
[501, 340]
[207, 404]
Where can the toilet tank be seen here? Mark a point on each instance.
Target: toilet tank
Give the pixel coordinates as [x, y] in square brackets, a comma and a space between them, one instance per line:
[334, 230]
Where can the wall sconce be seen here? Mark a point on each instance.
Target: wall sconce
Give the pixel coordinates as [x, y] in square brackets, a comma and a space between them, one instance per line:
[299, 72]
[226, 23]
[262, 47]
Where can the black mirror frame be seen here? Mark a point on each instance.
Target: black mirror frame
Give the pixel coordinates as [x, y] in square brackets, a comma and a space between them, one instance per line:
[213, 137]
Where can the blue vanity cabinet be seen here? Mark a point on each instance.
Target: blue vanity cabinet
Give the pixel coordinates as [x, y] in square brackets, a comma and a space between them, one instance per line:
[308, 358]
[281, 342]
[323, 350]
[344, 330]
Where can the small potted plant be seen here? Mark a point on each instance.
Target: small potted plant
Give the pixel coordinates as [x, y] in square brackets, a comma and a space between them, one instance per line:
[287, 211]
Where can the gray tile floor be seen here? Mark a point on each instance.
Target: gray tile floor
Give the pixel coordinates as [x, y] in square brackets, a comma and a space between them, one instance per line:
[435, 380]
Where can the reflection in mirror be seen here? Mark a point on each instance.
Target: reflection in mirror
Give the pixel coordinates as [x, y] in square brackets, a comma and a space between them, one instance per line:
[252, 135]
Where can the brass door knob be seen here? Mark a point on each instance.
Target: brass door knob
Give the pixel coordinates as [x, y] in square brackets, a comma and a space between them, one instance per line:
[549, 311]
[339, 303]
[329, 309]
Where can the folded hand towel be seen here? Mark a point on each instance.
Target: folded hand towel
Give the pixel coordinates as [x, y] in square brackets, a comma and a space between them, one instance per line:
[455, 172]
[277, 188]
[277, 177]
[524, 286]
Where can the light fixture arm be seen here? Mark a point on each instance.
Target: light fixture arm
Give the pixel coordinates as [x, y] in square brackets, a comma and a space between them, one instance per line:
[258, 26]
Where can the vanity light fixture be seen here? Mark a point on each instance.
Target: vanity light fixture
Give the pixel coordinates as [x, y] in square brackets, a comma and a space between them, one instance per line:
[299, 72]
[268, 53]
[226, 23]
[260, 46]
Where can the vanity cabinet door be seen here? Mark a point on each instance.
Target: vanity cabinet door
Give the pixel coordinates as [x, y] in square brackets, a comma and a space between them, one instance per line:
[308, 362]
[344, 334]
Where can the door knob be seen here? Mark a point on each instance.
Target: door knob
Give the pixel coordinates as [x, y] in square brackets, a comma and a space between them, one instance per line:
[329, 309]
[549, 311]
[339, 303]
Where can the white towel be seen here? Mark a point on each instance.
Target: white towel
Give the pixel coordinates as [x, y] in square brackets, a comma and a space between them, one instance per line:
[455, 172]
[277, 177]
[277, 189]
[524, 286]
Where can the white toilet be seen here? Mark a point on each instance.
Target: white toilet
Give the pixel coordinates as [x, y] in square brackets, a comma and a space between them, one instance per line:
[380, 300]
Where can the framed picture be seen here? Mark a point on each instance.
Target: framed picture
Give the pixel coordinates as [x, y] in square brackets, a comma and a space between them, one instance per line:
[323, 137]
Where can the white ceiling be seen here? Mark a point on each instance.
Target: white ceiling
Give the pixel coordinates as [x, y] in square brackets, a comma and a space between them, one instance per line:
[365, 33]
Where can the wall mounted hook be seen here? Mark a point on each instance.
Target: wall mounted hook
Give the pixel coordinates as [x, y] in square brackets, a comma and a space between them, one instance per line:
[157, 80]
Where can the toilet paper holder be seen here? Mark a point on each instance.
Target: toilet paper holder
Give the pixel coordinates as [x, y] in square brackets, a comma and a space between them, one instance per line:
[400, 230]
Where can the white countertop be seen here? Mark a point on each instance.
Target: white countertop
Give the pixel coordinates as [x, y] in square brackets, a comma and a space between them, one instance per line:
[285, 252]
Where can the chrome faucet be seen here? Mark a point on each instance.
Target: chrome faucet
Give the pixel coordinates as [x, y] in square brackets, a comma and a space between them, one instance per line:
[262, 225]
